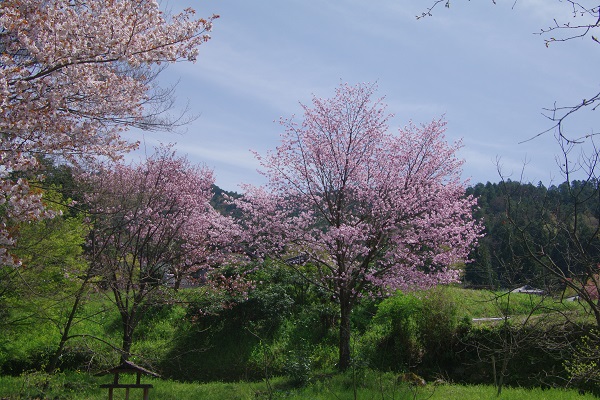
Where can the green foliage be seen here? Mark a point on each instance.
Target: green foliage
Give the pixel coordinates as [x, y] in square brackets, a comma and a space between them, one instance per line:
[36, 296]
[394, 338]
[284, 327]
[298, 366]
[280, 331]
[438, 324]
[410, 329]
[582, 365]
[248, 339]
[51, 253]
[221, 203]
[29, 344]
[302, 335]
[209, 347]
[157, 332]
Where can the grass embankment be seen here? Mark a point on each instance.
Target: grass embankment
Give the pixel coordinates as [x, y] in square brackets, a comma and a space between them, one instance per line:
[173, 342]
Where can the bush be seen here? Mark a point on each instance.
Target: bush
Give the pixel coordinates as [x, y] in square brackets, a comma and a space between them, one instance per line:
[411, 330]
[583, 365]
[437, 325]
[298, 365]
[392, 341]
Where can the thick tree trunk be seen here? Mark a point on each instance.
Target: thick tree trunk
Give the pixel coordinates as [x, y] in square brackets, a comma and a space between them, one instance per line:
[345, 310]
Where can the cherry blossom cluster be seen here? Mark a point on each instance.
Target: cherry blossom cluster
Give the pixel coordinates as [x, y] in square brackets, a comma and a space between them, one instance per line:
[73, 75]
[373, 209]
[153, 218]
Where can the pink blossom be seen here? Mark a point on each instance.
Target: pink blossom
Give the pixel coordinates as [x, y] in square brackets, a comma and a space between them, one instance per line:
[372, 209]
[155, 216]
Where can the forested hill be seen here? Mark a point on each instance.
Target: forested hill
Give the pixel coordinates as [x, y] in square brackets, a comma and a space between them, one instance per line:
[510, 210]
[521, 218]
[221, 204]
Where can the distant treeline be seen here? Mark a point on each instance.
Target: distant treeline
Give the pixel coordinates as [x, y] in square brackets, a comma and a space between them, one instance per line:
[522, 219]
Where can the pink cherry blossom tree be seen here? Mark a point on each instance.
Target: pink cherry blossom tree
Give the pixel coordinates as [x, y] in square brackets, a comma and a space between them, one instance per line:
[147, 220]
[374, 211]
[73, 75]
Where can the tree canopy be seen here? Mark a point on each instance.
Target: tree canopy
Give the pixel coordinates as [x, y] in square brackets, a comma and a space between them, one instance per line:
[374, 211]
[73, 76]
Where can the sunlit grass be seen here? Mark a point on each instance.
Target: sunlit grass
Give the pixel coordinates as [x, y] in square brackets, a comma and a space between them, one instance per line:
[487, 303]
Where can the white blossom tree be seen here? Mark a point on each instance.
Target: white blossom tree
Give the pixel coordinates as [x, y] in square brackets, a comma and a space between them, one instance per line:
[73, 75]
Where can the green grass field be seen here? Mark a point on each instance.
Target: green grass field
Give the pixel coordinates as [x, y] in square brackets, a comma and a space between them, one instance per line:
[367, 386]
[485, 303]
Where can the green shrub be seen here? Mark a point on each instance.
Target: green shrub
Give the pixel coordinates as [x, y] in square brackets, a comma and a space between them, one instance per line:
[393, 340]
[437, 324]
[411, 330]
[298, 364]
[583, 365]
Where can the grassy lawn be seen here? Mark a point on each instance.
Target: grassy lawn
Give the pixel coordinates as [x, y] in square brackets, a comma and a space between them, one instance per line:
[486, 303]
[370, 385]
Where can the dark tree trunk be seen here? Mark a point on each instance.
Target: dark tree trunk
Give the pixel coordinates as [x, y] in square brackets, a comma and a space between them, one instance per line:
[128, 319]
[65, 335]
[127, 342]
[345, 310]
[596, 309]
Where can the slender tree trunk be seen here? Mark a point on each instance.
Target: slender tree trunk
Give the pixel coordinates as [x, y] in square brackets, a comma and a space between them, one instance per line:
[345, 310]
[68, 324]
[128, 317]
[127, 342]
[507, 353]
[64, 337]
[494, 370]
[503, 373]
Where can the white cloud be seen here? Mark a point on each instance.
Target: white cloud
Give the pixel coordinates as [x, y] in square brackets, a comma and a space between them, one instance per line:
[477, 63]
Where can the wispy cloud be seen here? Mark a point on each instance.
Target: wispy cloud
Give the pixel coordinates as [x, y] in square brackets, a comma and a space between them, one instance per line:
[477, 63]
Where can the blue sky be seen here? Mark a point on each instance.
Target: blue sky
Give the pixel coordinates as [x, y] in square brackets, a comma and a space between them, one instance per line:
[479, 64]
